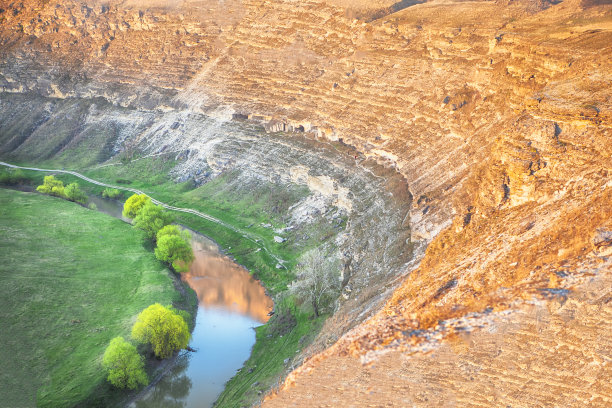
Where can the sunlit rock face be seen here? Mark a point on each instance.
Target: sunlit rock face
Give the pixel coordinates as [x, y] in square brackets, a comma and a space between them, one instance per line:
[496, 115]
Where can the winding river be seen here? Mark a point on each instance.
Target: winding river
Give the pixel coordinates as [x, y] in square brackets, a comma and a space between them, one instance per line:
[231, 305]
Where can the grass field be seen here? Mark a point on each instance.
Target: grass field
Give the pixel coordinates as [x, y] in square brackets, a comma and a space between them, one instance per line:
[72, 279]
[247, 210]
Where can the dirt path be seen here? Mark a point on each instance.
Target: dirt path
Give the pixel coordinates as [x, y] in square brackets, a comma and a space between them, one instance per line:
[244, 234]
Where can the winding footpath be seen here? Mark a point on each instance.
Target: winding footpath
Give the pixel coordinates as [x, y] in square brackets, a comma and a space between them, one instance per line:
[210, 218]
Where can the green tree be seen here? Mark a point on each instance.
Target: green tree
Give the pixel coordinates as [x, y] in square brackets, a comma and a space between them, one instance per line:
[151, 218]
[73, 193]
[174, 247]
[52, 186]
[134, 204]
[163, 329]
[318, 281]
[111, 193]
[12, 176]
[184, 314]
[124, 365]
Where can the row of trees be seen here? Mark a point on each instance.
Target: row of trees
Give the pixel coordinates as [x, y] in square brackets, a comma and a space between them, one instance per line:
[55, 187]
[163, 329]
[173, 244]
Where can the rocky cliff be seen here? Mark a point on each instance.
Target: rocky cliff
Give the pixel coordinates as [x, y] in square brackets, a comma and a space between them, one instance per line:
[496, 115]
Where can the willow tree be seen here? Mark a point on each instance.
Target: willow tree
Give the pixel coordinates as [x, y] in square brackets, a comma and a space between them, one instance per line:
[124, 365]
[52, 186]
[74, 193]
[174, 247]
[134, 204]
[163, 329]
[151, 218]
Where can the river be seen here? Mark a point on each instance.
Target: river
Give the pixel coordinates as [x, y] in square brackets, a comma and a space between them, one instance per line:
[230, 305]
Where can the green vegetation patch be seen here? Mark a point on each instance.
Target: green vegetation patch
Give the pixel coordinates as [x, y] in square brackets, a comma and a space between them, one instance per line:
[72, 279]
[277, 344]
[255, 210]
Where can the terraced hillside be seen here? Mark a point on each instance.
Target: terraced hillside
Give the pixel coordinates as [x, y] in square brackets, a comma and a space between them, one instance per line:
[495, 117]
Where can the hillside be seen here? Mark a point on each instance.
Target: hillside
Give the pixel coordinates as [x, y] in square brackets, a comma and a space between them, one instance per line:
[495, 116]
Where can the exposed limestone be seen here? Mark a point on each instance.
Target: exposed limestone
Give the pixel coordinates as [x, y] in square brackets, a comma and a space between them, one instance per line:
[497, 116]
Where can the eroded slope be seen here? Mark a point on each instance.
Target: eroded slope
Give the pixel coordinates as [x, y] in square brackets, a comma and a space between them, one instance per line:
[497, 115]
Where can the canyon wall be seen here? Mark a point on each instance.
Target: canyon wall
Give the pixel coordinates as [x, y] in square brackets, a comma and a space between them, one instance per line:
[496, 115]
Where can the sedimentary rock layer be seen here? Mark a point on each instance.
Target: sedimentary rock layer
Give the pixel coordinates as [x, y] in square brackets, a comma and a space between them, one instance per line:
[497, 115]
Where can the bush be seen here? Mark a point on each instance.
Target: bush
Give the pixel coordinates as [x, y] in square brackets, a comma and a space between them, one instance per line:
[111, 193]
[73, 193]
[151, 218]
[12, 177]
[163, 329]
[134, 204]
[174, 247]
[52, 186]
[124, 365]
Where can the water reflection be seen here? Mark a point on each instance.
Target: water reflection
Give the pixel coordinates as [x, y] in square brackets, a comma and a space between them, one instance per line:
[219, 282]
[172, 390]
[107, 206]
[231, 305]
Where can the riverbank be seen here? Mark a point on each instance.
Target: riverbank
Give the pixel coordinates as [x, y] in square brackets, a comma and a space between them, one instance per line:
[72, 280]
[281, 194]
[287, 331]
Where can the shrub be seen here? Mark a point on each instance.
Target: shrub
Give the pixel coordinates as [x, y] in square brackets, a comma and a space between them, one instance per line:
[134, 204]
[174, 247]
[111, 193]
[163, 329]
[124, 365]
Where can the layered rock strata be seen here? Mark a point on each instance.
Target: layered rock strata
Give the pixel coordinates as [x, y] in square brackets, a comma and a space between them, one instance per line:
[496, 114]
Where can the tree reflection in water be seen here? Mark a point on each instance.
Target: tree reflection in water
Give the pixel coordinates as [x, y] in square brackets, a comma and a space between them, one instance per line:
[231, 304]
[172, 390]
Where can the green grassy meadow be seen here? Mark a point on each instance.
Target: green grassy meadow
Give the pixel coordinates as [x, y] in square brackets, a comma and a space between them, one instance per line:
[72, 279]
[247, 210]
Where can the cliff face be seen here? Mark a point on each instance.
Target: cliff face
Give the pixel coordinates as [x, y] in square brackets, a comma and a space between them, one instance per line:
[497, 115]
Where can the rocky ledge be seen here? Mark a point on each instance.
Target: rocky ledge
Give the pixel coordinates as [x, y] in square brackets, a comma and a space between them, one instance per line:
[497, 116]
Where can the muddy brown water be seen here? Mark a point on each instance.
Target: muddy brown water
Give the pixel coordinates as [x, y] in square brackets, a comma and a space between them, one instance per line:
[231, 304]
